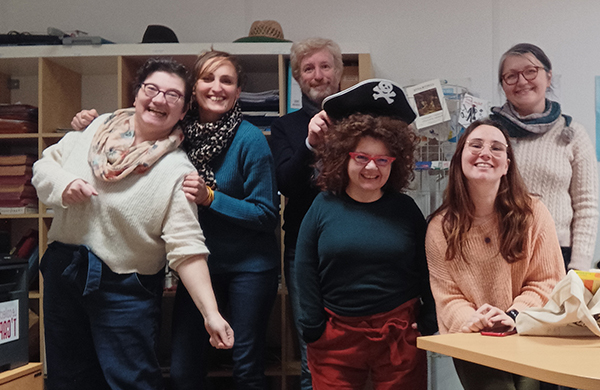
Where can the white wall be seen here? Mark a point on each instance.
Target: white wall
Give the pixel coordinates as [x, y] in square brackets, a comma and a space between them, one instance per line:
[409, 40]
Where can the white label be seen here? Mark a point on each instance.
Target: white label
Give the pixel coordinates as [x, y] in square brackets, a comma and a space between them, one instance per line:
[9, 321]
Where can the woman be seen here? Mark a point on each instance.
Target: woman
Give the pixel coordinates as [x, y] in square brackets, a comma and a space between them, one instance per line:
[492, 248]
[555, 154]
[113, 230]
[360, 255]
[237, 199]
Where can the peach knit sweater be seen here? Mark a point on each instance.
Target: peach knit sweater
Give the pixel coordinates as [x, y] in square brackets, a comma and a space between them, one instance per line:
[460, 287]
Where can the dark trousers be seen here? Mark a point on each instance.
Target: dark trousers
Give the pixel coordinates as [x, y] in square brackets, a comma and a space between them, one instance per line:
[246, 299]
[101, 328]
[477, 377]
[292, 286]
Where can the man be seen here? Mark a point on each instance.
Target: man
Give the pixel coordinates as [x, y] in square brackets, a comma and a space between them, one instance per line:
[317, 67]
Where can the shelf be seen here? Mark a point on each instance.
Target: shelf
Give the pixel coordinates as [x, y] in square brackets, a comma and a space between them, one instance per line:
[20, 136]
[61, 80]
[19, 216]
[35, 295]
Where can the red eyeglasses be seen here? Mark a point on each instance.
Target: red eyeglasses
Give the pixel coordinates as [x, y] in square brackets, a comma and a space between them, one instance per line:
[364, 159]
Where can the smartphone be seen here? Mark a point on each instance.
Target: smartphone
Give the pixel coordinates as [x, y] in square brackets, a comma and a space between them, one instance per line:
[498, 334]
[498, 330]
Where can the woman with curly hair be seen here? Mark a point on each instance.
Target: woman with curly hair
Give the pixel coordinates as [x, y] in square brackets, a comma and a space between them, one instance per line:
[492, 248]
[361, 269]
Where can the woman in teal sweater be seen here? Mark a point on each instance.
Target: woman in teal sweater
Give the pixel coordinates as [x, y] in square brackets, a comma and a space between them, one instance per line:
[360, 257]
[237, 198]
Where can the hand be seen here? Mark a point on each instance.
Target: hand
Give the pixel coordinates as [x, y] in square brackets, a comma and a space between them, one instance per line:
[485, 318]
[195, 188]
[78, 191]
[221, 334]
[318, 126]
[83, 118]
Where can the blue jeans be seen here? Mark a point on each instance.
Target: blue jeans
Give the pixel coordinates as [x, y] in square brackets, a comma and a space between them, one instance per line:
[290, 279]
[101, 328]
[246, 300]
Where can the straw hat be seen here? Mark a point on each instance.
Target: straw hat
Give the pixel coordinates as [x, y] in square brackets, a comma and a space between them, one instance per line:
[264, 31]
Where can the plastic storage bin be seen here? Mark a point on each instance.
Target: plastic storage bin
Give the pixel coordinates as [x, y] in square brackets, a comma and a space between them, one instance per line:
[14, 314]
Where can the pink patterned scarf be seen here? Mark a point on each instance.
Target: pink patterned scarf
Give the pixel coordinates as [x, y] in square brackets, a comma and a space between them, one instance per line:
[112, 155]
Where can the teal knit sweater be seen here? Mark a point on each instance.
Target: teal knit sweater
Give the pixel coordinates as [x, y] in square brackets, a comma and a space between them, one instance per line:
[360, 259]
[240, 223]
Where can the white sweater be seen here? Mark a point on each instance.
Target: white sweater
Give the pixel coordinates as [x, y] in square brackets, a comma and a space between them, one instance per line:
[135, 224]
[565, 176]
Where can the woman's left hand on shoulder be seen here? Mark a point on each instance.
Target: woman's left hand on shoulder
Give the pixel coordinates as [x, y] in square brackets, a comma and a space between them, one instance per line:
[195, 188]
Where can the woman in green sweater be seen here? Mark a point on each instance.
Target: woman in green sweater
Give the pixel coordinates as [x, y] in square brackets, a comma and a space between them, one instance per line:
[361, 268]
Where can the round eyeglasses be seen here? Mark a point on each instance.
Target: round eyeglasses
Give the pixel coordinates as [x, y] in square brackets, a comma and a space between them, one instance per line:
[364, 159]
[529, 74]
[151, 90]
[497, 148]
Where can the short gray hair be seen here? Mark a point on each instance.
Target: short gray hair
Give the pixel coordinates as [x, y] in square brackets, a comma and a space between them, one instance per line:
[307, 46]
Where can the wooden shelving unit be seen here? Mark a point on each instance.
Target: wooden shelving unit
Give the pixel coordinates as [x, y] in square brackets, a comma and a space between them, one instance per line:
[61, 80]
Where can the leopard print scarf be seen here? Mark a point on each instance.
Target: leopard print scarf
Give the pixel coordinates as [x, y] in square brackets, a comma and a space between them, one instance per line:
[205, 141]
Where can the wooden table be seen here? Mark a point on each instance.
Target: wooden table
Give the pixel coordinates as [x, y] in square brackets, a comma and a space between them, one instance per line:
[27, 377]
[566, 361]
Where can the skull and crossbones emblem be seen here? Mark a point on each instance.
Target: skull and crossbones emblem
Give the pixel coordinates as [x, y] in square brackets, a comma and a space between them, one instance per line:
[384, 90]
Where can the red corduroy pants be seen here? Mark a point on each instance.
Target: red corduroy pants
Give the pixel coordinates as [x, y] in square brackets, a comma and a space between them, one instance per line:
[382, 345]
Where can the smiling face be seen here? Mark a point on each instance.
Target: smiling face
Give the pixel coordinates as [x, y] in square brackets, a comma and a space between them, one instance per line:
[527, 96]
[318, 76]
[366, 181]
[488, 165]
[155, 117]
[216, 90]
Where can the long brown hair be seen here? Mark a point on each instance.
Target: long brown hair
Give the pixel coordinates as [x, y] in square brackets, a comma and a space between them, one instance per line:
[343, 137]
[512, 205]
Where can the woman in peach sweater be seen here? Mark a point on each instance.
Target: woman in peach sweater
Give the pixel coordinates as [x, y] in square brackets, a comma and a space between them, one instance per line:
[492, 248]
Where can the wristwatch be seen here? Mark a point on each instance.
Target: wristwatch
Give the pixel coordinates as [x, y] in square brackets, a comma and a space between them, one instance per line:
[512, 314]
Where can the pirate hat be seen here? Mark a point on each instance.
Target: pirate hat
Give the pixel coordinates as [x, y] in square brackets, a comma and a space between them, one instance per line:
[377, 97]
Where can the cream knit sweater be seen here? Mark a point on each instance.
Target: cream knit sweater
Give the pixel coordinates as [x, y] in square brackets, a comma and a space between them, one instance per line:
[135, 224]
[565, 176]
[460, 287]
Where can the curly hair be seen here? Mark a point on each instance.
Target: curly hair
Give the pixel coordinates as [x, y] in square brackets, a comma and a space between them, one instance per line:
[343, 137]
[512, 205]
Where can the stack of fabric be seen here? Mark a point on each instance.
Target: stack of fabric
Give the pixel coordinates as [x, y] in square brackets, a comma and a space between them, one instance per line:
[18, 118]
[260, 108]
[17, 195]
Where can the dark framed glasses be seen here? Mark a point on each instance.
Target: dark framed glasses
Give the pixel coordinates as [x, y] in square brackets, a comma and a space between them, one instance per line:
[529, 74]
[151, 90]
[364, 159]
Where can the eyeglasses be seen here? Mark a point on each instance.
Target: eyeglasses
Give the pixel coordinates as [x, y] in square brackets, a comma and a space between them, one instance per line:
[364, 159]
[529, 74]
[475, 146]
[151, 90]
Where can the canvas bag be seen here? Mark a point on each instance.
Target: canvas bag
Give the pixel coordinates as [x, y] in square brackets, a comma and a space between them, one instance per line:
[571, 311]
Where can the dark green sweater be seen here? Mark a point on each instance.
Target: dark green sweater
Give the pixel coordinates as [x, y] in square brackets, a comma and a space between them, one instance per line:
[359, 259]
